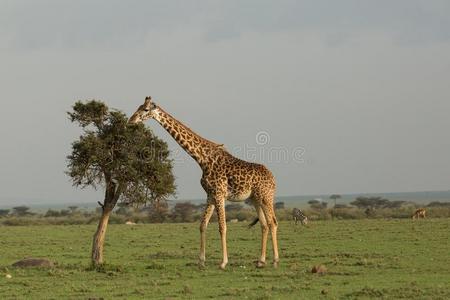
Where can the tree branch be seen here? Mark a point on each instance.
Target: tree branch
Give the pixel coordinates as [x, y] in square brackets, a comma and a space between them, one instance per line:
[101, 204]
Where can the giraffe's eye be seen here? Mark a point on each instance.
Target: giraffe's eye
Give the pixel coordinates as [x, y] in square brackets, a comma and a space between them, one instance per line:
[146, 109]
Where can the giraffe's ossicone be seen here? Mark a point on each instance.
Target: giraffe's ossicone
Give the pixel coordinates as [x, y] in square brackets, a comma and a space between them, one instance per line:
[225, 177]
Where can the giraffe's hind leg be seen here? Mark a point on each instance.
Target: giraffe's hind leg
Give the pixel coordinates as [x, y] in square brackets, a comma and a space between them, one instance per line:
[220, 209]
[264, 234]
[267, 206]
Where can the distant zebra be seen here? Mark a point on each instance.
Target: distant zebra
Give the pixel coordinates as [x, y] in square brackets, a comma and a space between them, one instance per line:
[298, 215]
[419, 213]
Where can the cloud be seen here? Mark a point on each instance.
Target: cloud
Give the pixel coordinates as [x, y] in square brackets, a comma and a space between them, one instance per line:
[361, 85]
[123, 24]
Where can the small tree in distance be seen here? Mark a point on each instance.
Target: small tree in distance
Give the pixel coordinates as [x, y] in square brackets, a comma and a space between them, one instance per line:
[317, 204]
[21, 211]
[73, 209]
[233, 207]
[183, 212]
[127, 160]
[370, 202]
[279, 205]
[334, 197]
[158, 211]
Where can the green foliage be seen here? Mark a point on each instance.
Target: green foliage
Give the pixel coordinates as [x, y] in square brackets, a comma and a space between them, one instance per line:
[92, 112]
[4, 212]
[395, 204]
[73, 209]
[335, 197]
[316, 204]
[158, 212]
[438, 204]
[127, 159]
[347, 213]
[280, 205]
[21, 210]
[183, 212]
[52, 213]
[370, 202]
[366, 259]
[123, 209]
[233, 207]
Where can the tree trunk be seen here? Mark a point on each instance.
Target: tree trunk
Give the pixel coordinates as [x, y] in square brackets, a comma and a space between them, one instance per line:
[112, 194]
[99, 238]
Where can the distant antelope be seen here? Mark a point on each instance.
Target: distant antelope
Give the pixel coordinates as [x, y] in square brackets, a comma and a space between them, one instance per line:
[419, 213]
[298, 215]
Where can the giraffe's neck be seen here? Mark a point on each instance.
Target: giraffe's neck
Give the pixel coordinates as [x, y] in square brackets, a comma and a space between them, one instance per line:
[199, 148]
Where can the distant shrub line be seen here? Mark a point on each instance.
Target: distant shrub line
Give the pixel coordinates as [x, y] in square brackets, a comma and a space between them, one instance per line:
[186, 212]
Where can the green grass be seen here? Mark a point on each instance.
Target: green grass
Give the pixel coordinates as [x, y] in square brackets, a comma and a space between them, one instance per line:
[389, 259]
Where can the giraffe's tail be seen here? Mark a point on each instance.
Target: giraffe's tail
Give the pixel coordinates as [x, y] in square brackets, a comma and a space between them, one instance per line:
[253, 223]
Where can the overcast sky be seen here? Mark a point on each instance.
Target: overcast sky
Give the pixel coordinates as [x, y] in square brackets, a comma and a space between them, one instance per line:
[355, 95]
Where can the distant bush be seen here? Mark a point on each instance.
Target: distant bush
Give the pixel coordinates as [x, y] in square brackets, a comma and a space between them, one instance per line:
[317, 204]
[52, 213]
[438, 204]
[21, 211]
[318, 214]
[183, 212]
[279, 205]
[438, 212]
[158, 212]
[188, 212]
[4, 212]
[347, 213]
[370, 202]
[243, 214]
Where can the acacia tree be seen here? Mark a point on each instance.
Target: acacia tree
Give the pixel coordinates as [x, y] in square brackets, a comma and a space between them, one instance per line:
[370, 202]
[183, 212]
[127, 160]
[158, 211]
[317, 204]
[21, 211]
[335, 197]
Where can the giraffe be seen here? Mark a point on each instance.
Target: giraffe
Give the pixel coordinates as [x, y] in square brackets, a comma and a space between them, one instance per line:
[225, 177]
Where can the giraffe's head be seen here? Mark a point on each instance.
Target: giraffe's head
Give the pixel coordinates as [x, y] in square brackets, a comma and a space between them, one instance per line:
[144, 112]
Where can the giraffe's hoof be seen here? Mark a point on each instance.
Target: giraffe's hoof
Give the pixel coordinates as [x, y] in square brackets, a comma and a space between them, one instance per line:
[201, 264]
[222, 266]
[275, 264]
[260, 264]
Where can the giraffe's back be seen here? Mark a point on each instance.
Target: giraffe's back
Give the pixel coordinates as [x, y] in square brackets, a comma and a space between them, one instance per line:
[246, 179]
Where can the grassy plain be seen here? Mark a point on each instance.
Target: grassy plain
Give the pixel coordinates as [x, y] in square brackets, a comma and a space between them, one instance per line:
[389, 259]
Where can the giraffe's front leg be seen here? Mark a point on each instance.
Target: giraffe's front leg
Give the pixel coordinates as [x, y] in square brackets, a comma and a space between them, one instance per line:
[220, 209]
[203, 225]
